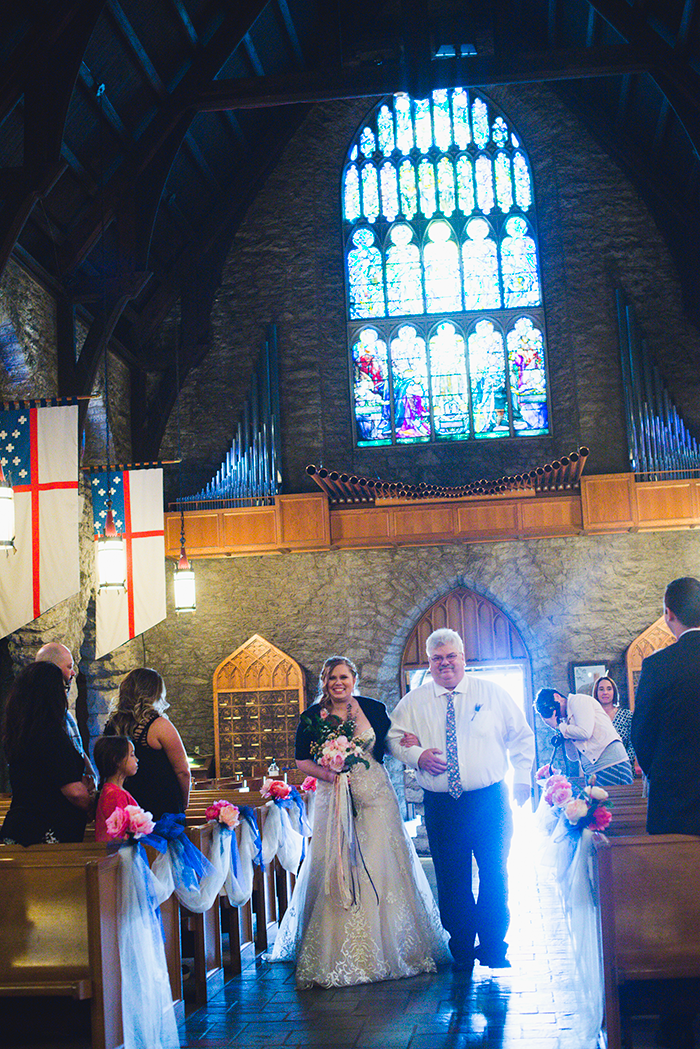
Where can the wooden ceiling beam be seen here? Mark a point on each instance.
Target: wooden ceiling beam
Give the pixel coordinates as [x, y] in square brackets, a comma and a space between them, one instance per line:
[144, 172]
[325, 85]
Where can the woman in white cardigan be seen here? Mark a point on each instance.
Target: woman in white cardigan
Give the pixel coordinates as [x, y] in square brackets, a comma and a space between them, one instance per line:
[584, 725]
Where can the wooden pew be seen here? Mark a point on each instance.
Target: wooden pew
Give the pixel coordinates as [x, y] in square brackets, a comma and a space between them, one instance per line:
[42, 881]
[58, 931]
[649, 911]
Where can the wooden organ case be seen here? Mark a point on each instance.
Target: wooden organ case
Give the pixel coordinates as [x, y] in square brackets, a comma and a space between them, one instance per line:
[258, 696]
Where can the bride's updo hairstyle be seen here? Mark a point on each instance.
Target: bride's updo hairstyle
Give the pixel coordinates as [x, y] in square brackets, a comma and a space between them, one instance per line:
[142, 692]
[330, 665]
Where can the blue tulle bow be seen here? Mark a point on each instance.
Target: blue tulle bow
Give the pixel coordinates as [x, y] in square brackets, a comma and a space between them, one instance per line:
[248, 815]
[294, 799]
[190, 864]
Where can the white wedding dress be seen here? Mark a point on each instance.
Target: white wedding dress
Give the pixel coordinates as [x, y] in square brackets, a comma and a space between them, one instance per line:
[394, 928]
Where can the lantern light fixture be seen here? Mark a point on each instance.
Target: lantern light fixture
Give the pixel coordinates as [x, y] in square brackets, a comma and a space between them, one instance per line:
[184, 583]
[7, 513]
[111, 556]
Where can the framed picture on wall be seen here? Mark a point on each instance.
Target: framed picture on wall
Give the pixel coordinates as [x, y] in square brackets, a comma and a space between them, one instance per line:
[583, 676]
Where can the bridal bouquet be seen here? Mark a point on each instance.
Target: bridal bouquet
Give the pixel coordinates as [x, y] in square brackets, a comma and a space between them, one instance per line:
[589, 808]
[335, 746]
[129, 822]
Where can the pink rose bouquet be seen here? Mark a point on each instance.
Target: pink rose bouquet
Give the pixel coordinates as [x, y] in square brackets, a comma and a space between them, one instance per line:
[275, 789]
[309, 784]
[335, 746]
[557, 791]
[129, 822]
[223, 812]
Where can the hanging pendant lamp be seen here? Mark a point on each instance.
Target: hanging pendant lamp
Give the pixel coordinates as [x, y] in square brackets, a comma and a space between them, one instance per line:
[7, 513]
[110, 549]
[185, 589]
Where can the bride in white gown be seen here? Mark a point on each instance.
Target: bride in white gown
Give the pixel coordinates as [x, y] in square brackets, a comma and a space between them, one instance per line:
[386, 924]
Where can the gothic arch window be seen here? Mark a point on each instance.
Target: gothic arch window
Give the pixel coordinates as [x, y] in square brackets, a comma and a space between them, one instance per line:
[445, 317]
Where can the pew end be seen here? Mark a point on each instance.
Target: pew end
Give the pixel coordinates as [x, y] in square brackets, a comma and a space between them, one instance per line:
[649, 911]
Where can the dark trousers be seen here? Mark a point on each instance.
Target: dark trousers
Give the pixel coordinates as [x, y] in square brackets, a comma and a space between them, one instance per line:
[480, 824]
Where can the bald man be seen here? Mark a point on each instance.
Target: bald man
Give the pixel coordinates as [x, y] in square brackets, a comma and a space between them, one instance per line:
[62, 657]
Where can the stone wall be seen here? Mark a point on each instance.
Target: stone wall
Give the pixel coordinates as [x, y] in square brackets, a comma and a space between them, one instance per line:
[285, 266]
[581, 600]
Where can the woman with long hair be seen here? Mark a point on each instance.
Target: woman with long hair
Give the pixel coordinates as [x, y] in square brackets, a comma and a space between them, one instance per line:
[362, 909]
[606, 692]
[50, 802]
[162, 783]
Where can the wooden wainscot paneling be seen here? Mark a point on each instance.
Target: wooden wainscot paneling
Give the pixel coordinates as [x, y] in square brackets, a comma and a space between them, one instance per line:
[555, 516]
[249, 530]
[667, 504]
[609, 503]
[479, 520]
[202, 533]
[366, 527]
[423, 523]
[303, 521]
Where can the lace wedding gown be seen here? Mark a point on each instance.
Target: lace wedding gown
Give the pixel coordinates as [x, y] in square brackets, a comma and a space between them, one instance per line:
[394, 929]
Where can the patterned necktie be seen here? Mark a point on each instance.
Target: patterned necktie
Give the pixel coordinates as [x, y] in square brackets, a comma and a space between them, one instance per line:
[454, 780]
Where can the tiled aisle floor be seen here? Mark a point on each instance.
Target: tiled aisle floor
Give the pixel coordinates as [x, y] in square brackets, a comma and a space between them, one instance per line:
[530, 1005]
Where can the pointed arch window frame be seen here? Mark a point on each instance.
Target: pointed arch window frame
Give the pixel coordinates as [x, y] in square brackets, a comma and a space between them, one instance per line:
[478, 129]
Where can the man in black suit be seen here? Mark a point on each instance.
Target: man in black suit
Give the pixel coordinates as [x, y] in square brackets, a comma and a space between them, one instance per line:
[666, 738]
[666, 720]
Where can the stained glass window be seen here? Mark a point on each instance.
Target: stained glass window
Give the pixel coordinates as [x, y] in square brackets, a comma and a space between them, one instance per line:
[371, 388]
[409, 372]
[403, 273]
[442, 260]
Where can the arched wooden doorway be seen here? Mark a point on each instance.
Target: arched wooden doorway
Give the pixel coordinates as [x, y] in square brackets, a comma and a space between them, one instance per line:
[492, 644]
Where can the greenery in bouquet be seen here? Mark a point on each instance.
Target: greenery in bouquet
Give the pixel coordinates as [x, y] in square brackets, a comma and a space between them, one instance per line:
[591, 807]
[333, 742]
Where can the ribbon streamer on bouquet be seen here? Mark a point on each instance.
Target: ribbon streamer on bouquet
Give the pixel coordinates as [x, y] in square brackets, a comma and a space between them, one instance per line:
[343, 852]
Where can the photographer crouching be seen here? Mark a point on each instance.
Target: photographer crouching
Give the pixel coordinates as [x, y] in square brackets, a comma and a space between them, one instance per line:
[583, 723]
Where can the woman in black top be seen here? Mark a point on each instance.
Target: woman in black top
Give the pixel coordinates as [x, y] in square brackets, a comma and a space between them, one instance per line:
[162, 783]
[50, 802]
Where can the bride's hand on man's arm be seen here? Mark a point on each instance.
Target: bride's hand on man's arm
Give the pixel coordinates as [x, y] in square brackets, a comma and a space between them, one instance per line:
[409, 740]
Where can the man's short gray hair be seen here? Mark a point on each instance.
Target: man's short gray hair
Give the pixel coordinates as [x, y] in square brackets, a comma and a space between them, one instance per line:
[438, 638]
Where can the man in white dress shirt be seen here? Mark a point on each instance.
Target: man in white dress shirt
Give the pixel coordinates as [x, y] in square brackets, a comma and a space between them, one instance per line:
[467, 728]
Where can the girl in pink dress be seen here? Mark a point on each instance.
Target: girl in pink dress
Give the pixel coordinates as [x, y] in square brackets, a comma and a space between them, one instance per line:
[115, 761]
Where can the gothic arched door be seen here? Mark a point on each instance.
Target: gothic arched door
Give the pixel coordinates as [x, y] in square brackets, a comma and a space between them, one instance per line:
[492, 644]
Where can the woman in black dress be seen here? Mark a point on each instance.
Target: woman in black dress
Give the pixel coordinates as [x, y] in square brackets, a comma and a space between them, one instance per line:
[50, 802]
[162, 783]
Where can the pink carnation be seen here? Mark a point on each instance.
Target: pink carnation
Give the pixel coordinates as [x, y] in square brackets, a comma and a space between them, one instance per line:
[275, 788]
[602, 817]
[140, 823]
[309, 784]
[212, 812]
[118, 823]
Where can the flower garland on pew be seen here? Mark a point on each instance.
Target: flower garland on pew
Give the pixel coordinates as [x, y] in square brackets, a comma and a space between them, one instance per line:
[591, 807]
[148, 1018]
[570, 819]
[281, 837]
[236, 875]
